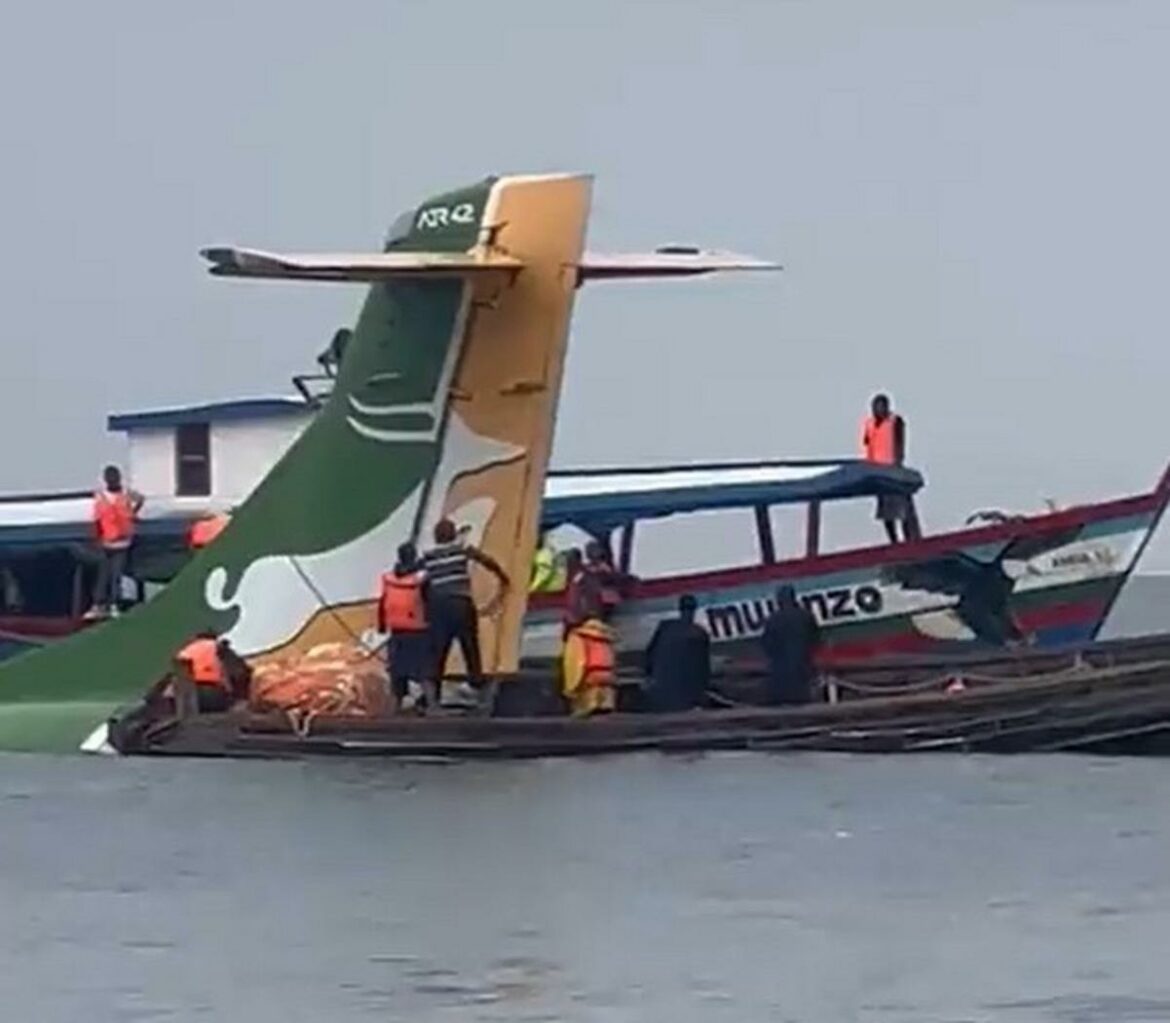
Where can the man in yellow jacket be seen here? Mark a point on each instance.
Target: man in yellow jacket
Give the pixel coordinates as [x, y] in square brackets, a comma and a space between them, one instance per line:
[548, 568]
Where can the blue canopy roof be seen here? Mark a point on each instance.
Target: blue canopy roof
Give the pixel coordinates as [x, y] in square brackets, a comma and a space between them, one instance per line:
[602, 497]
[613, 496]
[214, 412]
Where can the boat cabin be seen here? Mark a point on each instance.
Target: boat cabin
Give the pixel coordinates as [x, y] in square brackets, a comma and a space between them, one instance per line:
[187, 461]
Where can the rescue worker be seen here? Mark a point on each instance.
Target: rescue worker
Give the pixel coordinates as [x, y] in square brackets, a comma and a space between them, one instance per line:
[206, 676]
[548, 568]
[451, 613]
[574, 610]
[883, 440]
[402, 613]
[206, 529]
[604, 581]
[791, 638]
[678, 661]
[203, 663]
[115, 510]
[589, 669]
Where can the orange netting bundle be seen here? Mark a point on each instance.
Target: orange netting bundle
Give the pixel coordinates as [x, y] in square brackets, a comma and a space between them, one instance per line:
[336, 679]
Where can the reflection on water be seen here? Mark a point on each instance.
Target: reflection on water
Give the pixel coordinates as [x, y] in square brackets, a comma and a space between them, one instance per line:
[731, 887]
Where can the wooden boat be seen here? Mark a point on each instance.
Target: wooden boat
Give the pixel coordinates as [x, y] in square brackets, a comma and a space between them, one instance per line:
[1115, 698]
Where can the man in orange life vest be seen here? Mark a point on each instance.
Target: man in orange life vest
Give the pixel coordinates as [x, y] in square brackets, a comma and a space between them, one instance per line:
[115, 510]
[402, 613]
[883, 440]
[588, 659]
[219, 674]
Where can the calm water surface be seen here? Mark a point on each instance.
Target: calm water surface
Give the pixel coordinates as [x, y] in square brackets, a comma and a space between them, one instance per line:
[729, 887]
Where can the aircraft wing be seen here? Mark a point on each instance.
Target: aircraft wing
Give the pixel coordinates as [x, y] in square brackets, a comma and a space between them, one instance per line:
[670, 261]
[351, 266]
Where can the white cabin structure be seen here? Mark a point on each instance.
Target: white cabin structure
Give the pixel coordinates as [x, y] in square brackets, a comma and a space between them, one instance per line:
[216, 452]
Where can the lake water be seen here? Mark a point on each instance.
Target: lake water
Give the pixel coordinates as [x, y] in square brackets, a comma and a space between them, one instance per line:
[756, 887]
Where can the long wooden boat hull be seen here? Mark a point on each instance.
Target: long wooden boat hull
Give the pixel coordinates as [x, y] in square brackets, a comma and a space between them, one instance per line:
[1117, 709]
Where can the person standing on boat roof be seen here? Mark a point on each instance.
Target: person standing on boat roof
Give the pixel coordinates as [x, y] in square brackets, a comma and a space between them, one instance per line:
[791, 638]
[115, 512]
[402, 613]
[450, 610]
[678, 661]
[883, 440]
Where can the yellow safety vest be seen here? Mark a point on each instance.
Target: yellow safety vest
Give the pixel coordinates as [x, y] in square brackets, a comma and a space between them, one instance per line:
[548, 572]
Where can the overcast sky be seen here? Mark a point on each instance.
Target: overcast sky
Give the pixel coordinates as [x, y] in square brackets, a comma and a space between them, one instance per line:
[970, 200]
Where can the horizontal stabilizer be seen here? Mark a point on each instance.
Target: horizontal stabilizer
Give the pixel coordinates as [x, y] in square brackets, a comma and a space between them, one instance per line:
[353, 266]
[670, 261]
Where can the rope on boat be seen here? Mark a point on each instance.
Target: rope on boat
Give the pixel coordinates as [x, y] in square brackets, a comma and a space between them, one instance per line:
[833, 684]
[1078, 667]
[325, 605]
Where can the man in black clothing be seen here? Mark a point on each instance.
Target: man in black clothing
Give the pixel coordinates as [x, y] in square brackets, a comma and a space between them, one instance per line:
[678, 661]
[451, 613]
[791, 637]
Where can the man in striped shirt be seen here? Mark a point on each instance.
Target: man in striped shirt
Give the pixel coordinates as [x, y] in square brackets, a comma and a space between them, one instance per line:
[450, 610]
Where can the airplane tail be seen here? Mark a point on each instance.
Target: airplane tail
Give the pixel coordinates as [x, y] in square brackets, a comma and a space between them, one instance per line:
[443, 405]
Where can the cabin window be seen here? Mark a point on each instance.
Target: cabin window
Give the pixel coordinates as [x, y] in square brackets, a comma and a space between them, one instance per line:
[846, 525]
[44, 583]
[696, 542]
[193, 460]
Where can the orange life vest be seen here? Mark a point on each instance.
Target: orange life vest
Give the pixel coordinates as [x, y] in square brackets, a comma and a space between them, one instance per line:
[202, 659]
[113, 513]
[879, 440]
[402, 603]
[203, 531]
[599, 667]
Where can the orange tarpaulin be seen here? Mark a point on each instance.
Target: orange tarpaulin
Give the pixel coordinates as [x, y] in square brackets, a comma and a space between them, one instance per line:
[331, 678]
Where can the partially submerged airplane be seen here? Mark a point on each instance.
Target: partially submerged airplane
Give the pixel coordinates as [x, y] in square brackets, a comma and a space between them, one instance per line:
[444, 405]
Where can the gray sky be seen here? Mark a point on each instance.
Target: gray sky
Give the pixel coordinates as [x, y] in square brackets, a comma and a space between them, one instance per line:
[969, 198]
